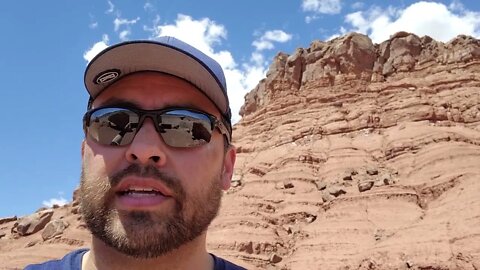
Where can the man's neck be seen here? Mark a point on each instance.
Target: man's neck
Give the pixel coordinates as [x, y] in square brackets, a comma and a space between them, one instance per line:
[192, 255]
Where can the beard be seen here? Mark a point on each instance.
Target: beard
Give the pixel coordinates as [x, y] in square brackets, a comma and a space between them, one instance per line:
[147, 234]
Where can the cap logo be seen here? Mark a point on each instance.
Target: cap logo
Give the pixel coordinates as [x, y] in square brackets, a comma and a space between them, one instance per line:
[107, 76]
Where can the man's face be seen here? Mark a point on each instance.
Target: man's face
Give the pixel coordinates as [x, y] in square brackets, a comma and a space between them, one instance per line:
[117, 182]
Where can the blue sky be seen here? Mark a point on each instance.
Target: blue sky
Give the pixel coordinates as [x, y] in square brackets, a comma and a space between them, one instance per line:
[46, 46]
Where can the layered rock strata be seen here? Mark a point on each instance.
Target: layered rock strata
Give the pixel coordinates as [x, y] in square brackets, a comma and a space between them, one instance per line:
[354, 155]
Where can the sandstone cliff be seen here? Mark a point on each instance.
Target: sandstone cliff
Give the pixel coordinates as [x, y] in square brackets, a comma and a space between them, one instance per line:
[351, 155]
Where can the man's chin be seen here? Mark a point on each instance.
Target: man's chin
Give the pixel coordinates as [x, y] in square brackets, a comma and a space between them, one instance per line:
[142, 234]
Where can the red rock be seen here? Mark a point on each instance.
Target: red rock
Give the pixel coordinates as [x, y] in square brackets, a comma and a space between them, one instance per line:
[34, 222]
[7, 219]
[54, 228]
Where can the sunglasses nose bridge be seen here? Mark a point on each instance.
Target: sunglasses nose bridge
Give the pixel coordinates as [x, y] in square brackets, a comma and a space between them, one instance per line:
[152, 116]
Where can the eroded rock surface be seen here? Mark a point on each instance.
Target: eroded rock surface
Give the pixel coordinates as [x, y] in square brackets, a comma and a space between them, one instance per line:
[54, 228]
[379, 142]
[33, 223]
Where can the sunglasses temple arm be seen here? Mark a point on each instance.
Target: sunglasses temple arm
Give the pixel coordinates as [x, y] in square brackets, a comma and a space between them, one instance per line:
[223, 130]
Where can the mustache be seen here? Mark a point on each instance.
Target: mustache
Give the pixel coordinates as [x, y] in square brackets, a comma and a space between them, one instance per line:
[151, 172]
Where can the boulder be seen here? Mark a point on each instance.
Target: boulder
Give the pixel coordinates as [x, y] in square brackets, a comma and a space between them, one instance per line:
[246, 247]
[387, 179]
[288, 184]
[54, 228]
[7, 219]
[76, 197]
[274, 258]
[336, 191]
[364, 186]
[34, 222]
[372, 171]
[326, 197]
[321, 185]
[75, 210]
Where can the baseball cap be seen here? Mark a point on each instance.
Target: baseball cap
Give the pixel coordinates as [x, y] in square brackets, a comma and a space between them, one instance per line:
[165, 54]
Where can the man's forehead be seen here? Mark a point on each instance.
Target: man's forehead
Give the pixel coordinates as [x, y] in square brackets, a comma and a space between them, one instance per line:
[128, 103]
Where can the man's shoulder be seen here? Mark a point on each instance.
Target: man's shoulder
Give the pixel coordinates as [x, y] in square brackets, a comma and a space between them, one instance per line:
[221, 264]
[71, 261]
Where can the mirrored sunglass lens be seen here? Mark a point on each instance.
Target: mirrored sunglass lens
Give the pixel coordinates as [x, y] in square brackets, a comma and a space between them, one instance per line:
[113, 126]
[185, 128]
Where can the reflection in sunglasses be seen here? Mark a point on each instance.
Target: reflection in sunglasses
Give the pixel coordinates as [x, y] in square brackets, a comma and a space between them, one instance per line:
[177, 127]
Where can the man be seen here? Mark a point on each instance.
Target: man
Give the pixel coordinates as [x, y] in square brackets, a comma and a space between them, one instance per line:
[156, 158]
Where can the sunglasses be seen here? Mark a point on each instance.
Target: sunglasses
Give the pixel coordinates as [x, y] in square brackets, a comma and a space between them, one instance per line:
[178, 127]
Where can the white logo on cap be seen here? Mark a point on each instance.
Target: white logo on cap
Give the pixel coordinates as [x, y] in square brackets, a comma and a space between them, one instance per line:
[107, 76]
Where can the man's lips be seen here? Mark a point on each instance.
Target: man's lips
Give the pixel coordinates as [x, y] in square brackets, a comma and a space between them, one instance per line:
[132, 185]
[140, 193]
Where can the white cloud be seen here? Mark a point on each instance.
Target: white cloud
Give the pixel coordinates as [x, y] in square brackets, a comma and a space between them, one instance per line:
[202, 34]
[343, 31]
[149, 7]
[263, 45]
[456, 5]
[119, 22]
[322, 6]
[154, 28]
[124, 35]
[358, 5]
[257, 58]
[205, 34]
[309, 19]
[125, 24]
[265, 42]
[96, 48]
[111, 7]
[58, 201]
[155, 24]
[93, 25]
[254, 73]
[277, 35]
[440, 22]
[358, 21]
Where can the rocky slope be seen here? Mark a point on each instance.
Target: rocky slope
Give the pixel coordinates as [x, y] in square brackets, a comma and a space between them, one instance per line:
[351, 155]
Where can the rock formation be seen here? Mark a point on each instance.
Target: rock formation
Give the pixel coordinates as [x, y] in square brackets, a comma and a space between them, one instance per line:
[351, 155]
[354, 155]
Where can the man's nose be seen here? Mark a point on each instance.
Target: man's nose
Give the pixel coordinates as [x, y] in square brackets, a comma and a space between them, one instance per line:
[147, 148]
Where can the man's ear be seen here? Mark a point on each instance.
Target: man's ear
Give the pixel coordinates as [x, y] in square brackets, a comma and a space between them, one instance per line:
[228, 164]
